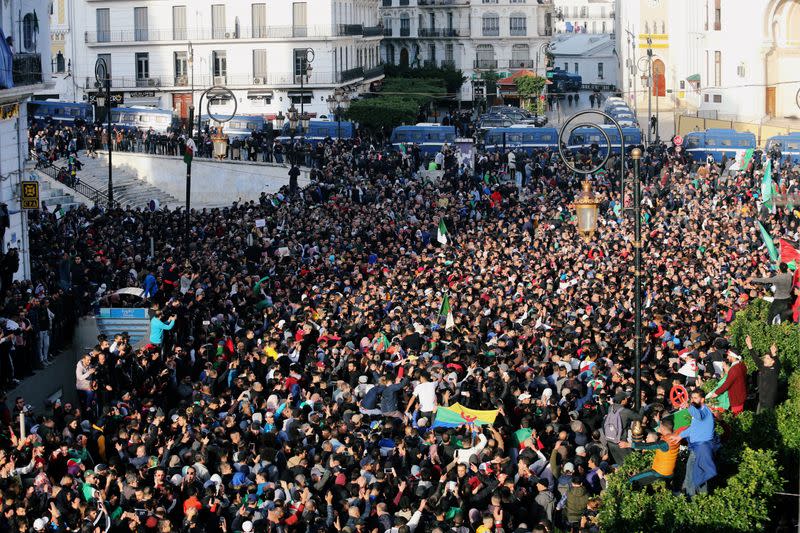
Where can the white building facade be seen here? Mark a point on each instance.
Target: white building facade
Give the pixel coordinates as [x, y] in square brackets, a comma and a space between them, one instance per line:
[164, 53]
[584, 16]
[713, 57]
[591, 56]
[470, 35]
[26, 23]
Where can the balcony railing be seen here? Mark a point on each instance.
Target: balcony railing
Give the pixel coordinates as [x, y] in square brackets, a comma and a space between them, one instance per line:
[491, 32]
[221, 34]
[448, 64]
[289, 79]
[26, 69]
[432, 3]
[518, 32]
[405, 32]
[387, 3]
[520, 63]
[442, 32]
[387, 32]
[351, 74]
[373, 72]
[486, 63]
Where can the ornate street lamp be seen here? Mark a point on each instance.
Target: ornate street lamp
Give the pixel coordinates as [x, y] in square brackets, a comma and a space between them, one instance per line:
[278, 121]
[220, 142]
[587, 207]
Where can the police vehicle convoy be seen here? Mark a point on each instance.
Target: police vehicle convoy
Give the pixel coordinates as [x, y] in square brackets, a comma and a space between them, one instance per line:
[717, 143]
[429, 137]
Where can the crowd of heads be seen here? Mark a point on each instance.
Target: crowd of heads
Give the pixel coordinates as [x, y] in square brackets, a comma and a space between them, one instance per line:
[298, 387]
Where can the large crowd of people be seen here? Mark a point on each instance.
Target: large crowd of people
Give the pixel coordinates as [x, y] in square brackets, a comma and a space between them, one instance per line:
[300, 349]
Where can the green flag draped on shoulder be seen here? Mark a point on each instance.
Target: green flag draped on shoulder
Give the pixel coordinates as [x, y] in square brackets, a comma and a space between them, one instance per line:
[445, 311]
[768, 187]
[765, 236]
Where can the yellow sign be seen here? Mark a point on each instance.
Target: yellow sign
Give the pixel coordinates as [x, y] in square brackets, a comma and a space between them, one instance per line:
[654, 45]
[30, 195]
[656, 36]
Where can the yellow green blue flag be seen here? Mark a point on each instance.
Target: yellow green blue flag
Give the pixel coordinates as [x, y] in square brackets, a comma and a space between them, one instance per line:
[457, 415]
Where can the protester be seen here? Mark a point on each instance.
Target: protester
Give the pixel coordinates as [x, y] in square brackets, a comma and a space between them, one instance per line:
[700, 467]
[301, 356]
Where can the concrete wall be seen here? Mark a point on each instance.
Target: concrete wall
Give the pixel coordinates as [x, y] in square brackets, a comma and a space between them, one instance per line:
[214, 183]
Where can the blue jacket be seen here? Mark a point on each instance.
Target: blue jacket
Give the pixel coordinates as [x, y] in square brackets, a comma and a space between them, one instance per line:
[157, 329]
[389, 397]
[702, 427]
[150, 286]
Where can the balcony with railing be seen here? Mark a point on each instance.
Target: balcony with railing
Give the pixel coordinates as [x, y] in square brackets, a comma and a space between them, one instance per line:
[442, 32]
[405, 32]
[275, 79]
[520, 63]
[387, 32]
[442, 3]
[488, 64]
[223, 34]
[26, 69]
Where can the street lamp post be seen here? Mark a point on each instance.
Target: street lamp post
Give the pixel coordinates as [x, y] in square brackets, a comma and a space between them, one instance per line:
[305, 72]
[338, 103]
[587, 206]
[103, 79]
[217, 118]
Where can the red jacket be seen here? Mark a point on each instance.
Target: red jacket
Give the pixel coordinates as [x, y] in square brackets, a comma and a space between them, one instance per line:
[736, 384]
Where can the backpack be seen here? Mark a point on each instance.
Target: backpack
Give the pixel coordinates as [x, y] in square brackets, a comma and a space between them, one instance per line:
[612, 425]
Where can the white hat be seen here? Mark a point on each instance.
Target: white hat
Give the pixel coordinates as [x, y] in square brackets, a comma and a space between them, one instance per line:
[735, 355]
[247, 526]
[39, 524]
[524, 396]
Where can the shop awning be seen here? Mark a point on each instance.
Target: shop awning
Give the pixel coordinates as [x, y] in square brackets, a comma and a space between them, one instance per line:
[693, 77]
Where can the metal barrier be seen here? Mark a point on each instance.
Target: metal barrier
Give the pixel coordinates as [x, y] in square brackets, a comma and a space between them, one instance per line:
[95, 195]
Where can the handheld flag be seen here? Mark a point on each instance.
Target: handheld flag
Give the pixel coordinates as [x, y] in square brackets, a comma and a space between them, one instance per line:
[189, 150]
[445, 311]
[457, 415]
[773, 252]
[748, 156]
[441, 235]
[789, 253]
[768, 190]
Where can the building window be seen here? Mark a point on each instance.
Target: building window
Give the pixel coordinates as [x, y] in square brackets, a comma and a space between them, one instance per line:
[60, 63]
[301, 62]
[259, 14]
[218, 21]
[576, 68]
[518, 1]
[717, 15]
[28, 33]
[179, 23]
[107, 59]
[491, 25]
[220, 64]
[518, 24]
[260, 65]
[142, 66]
[584, 12]
[705, 97]
[717, 68]
[566, 66]
[103, 22]
[485, 56]
[181, 69]
[740, 70]
[448, 52]
[405, 25]
[706, 24]
[602, 12]
[682, 84]
[489, 1]
[717, 98]
[140, 23]
[299, 12]
[520, 56]
[600, 71]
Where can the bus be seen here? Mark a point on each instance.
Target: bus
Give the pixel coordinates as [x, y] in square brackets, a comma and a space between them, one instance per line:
[144, 118]
[583, 138]
[789, 146]
[428, 136]
[319, 130]
[521, 137]
[717, 142]
[239, 126]
[42, 112]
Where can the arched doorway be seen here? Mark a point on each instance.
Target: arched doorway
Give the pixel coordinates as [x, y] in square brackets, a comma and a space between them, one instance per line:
[404, 57]
[782, 60]
[659, 78]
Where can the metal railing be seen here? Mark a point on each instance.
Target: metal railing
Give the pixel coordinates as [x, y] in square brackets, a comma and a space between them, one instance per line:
[223, 34]
[26, 69]
[442, 32]
[405, 32]
[315, 78]
[432, 3]
[374, 72]
[95, 195]
[520, 63]
[491, 32]
[351, 74]
[387, 32]
[486, 63]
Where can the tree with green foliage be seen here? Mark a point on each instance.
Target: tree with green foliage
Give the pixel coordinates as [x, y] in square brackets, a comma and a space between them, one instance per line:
[451, 77]
[529, 88]
[399, 102]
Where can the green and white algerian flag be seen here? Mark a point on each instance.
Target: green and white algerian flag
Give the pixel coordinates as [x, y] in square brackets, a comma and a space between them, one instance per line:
[768, 190]
[748, 156]
[59, 213]
[441, 235]
[445, 311]
[765, 236]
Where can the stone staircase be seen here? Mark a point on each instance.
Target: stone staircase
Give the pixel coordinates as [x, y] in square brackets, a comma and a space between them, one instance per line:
[53, 193]
[129, 190]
